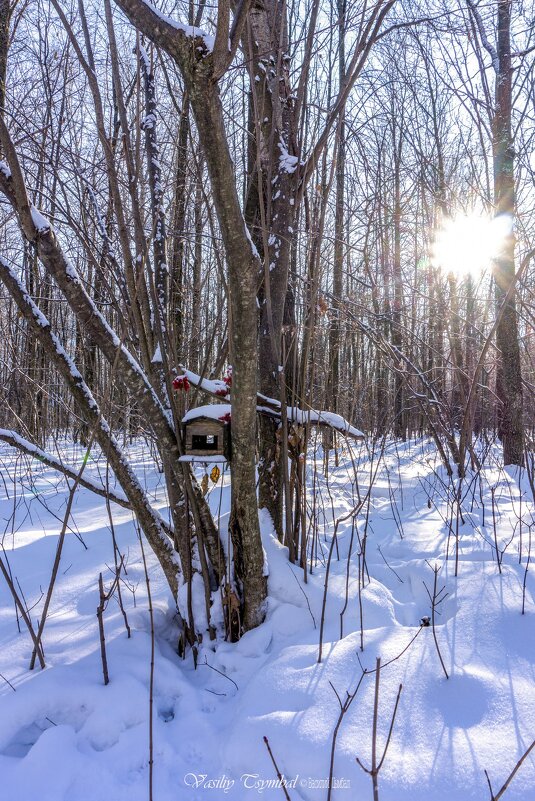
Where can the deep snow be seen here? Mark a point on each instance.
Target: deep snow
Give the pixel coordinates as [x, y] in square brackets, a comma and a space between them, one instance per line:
[64, 735]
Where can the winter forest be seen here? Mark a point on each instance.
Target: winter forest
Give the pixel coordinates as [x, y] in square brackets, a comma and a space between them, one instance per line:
[267, 419]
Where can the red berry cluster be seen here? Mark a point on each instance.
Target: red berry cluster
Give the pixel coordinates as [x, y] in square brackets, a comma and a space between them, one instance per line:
[181, 382]
[225, 418]
[221, 392]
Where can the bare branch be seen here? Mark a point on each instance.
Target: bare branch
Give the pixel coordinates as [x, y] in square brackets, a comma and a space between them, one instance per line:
[491, 50]
[23, 445]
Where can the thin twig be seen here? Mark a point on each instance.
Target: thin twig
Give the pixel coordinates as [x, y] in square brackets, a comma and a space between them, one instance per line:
[279, 774]
[511, 775]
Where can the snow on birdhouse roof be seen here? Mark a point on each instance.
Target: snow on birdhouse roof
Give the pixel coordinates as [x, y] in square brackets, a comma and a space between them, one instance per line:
[214, 411]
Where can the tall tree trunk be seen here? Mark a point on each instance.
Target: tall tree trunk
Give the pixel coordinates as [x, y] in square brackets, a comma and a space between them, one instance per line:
[6, 10]
[397, 337]
[459, 390]
[177, 237]
[270, 214]
[198, 70]
[333, 381]
[509, 378]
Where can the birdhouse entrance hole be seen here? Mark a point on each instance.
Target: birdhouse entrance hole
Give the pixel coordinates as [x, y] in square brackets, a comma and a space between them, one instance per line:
[205, 442]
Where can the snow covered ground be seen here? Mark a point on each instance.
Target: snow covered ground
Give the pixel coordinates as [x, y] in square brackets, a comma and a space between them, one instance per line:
[64, 735]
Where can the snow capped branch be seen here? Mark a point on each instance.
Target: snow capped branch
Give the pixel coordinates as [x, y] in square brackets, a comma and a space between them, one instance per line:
[212, 386]
[135, 9]
[154, 528]
[24, 445]
[37, 229]
[272, 407]
[491, 50]
[188, 30]
[41, 223]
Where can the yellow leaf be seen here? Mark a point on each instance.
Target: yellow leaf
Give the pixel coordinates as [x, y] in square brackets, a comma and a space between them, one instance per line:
[204, 484]
[214, 475]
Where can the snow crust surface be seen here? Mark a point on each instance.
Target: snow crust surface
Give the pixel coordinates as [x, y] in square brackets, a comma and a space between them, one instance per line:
[64, 735]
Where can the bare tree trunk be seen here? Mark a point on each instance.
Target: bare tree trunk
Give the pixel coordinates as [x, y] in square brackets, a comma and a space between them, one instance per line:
[197, 67]
[196, 278]
[397, 335]
[176, 311]
[149, 520]
[509, 379]
[509, 374]
[333, 382]
[6, 10]
[459, 384]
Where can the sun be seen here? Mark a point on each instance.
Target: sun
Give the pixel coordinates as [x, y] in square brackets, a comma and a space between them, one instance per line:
[466, 244]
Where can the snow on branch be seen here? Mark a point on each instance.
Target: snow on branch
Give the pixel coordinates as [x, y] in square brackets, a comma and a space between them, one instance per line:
[220, 389]
[491, 50]
[156, 530]
[271, 407]
[24, 445]
[41, 223]
[187, 30]
[323, 418]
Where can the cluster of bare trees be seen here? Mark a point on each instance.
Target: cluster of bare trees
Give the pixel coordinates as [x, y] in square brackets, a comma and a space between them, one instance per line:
[259, 185]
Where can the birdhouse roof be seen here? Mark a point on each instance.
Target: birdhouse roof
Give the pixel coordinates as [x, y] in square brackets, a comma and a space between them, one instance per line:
[213, 411]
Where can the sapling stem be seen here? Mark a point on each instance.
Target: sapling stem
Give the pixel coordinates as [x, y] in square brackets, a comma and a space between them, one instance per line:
[376, 766]
[501, 791]
[100, 617]
[436, 598]
[279, 774]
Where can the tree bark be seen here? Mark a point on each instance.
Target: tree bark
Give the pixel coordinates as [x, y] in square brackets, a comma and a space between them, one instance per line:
[509, 379]
[149, 520]
[6, 10]
[333, 380]
[196, 65]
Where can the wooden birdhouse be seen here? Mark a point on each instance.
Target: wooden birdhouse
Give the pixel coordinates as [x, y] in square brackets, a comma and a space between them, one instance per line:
[206, 434]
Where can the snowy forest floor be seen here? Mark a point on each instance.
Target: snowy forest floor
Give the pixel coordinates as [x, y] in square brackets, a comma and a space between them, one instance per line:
[64, 735]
